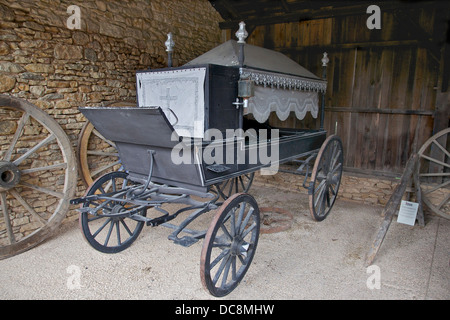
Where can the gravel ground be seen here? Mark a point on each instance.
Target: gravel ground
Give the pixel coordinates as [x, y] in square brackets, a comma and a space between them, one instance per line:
[310, 260]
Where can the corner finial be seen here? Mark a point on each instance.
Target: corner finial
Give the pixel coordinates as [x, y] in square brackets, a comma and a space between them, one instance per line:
[241, 34]
[325, 59]
[169, 43]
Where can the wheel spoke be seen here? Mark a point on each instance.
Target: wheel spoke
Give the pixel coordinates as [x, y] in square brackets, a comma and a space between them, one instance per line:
[6, 218]
[109, 232]
[102, 154]
[220, 270]
[108, 220]
[239, 220]
[441, 174]
[22, 201]
[225, 231]
[99, 135]
[233, 268]
[122, 221]
[57, 194]
[442, 148]
[246, 220]
[226, 271]
[436, 161]
[238, 184]
[322, 186]
[321, 201]
[46, 168]
[242, 183]
[101, 169]
[443, 202]
[22, 122]
[118, 233]
[442, 185]
[223, 254]
[44, 142]
[249, 229]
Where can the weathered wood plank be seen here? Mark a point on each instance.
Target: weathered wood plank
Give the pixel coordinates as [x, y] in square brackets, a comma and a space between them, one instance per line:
[391, 207]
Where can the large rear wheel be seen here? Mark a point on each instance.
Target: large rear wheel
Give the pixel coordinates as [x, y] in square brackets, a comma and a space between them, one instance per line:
[326, 178]
[230, 244]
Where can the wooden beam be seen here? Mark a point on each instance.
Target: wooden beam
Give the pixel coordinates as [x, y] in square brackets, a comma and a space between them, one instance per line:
[381, 111]
[392, 206]
[353, 45]
[313, 12]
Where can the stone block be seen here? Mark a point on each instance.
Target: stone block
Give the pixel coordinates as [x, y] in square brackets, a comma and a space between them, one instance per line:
[39, 68]
[7, 83]
[68, 52]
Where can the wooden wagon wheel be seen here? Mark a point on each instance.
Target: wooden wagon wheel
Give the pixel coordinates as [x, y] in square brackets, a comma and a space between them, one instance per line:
[434, 173]
[326, 178]
[230, 244]
[38, 175]
[235, 185]
[97, 155]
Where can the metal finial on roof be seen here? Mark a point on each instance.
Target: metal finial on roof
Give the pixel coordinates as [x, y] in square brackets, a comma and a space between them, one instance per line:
[241, 34]
[325, 59]
[169, 43]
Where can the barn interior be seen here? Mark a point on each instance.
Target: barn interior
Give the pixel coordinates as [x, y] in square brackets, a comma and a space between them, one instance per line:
[387, 88]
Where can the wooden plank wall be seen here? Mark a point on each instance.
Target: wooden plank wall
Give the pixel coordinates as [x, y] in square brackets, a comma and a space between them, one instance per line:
[381, 83]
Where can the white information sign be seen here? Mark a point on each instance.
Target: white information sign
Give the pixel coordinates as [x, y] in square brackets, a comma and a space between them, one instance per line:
[408, 213]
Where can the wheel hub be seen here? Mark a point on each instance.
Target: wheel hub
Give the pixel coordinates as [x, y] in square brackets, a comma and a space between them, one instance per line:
[117, 211]
[9, 175]
[239, 247]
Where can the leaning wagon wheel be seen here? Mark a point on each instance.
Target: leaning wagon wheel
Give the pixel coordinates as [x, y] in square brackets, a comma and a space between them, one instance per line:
[37, 175]
[326, 178]
[235, 185]
[96, 154]
[230, 244]
[434, 173]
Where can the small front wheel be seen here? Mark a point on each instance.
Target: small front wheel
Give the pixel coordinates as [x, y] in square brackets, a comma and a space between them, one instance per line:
[230, 244]
[109, 231]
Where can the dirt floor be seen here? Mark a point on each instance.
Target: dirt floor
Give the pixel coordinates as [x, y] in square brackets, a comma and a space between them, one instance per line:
[310, 260]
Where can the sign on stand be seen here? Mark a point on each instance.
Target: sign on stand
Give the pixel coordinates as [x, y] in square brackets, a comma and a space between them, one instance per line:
[408, 213]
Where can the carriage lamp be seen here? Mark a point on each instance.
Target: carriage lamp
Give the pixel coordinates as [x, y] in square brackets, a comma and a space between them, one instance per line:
[246, 90]
[245, 86]
[169, 45]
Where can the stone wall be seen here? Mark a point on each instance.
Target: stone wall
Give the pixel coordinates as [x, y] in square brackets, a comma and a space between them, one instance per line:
[59, 69]
[364, 189]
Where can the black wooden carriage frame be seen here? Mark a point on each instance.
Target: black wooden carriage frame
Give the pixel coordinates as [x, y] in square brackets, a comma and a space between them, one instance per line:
[152, 191]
